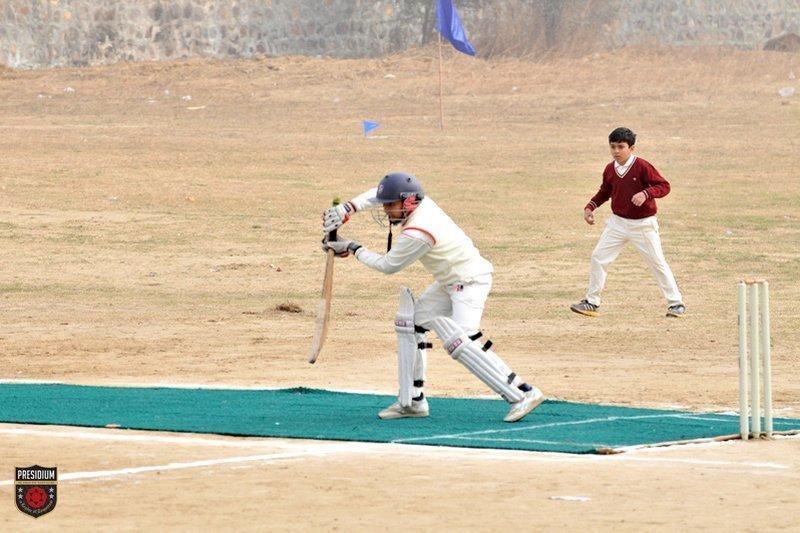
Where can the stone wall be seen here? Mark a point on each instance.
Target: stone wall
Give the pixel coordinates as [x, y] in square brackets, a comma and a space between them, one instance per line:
[740, 23]
[47, 33]
[50, 33]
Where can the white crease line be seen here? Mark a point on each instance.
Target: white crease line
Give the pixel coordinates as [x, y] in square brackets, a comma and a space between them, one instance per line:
[537, 426]
[428, 452]
[561, 457]
[533, 441]
[321, 448]
[101, 434]
[190, 439]
[709, 419]
[704, 443]
[686, 416]
[180, 466]
[698, 443]
[276, 442]
[183, 440]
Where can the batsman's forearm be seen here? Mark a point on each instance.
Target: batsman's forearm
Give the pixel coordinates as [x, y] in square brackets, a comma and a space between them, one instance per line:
[405, 252]
[378, 262]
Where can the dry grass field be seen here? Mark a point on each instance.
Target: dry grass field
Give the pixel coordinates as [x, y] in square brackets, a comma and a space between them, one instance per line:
[153, 216]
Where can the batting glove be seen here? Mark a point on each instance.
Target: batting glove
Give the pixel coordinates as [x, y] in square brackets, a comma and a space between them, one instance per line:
[341, 247]
[335, 216]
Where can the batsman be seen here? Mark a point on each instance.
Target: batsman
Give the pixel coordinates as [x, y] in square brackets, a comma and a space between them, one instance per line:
[451, 306]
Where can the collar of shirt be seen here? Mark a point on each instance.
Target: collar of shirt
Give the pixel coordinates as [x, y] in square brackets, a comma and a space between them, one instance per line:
[621, 170]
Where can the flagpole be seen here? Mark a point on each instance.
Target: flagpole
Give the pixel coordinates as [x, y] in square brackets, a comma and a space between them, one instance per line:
[441, 110]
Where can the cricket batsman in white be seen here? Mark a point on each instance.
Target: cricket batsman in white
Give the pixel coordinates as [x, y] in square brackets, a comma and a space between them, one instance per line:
[452, 306]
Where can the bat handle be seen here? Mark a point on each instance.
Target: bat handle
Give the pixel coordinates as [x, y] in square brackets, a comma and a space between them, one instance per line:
[332, 234]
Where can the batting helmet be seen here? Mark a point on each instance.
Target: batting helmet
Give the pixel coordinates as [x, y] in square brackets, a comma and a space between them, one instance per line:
[399, 186]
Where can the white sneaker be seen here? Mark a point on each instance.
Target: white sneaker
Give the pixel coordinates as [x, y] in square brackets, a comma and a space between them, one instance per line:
[417, 409]
[532, 399]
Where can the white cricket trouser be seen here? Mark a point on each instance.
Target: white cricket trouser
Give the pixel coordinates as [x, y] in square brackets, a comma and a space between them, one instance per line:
[643, 233]
[462, 302]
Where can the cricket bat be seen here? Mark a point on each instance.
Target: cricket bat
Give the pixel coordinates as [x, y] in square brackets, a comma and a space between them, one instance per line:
[324, 308]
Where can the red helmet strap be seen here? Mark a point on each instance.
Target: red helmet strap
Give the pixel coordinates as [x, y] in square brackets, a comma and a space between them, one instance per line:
[410, 204]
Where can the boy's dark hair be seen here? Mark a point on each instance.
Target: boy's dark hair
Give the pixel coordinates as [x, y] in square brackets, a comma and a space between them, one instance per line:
[622, 135]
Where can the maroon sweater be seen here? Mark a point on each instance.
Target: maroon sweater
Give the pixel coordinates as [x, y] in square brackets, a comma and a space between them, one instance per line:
[641, 176]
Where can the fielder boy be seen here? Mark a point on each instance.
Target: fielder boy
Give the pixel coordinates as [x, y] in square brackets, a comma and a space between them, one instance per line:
[452, 306]
[633, 185]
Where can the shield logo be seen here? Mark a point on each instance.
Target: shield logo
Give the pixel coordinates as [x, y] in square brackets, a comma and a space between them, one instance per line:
[35, 489]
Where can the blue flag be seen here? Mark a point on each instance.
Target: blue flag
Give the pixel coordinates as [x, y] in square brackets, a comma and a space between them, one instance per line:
[449, 25]
[369, 126]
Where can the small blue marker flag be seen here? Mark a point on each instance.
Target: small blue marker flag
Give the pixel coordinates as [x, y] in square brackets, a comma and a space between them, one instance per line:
[369, 126]
[449, 25]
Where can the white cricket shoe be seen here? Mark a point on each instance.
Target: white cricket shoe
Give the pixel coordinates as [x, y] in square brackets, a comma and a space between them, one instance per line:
[532, 399]
[417, 409]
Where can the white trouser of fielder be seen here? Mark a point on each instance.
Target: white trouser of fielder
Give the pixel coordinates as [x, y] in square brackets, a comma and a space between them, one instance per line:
[644, 235]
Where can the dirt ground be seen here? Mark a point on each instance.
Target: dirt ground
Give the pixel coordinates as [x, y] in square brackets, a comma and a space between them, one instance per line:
[153, 216]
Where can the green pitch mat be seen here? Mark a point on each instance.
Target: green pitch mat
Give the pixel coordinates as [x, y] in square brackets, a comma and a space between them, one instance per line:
[555, 426]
